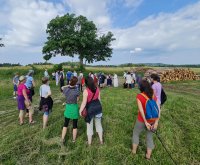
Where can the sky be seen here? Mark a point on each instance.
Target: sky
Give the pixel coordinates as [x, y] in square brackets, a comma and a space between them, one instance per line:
[146, 31]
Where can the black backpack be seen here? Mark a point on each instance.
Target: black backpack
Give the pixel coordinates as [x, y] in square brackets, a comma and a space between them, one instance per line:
[163, 97]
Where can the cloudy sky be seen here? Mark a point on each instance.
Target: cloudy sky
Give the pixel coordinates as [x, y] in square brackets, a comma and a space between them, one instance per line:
[146, 31]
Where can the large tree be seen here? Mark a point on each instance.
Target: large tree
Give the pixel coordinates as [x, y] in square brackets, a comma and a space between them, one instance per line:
[69, 35]
[1, 44]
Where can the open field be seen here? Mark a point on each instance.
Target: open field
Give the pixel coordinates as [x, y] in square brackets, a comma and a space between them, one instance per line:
[179, 129]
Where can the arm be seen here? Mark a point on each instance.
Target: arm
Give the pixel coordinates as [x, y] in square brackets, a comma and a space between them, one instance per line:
[33, 82]
[155, 125]
[64, 87]
[49, 93]
[99, 97]
[25, 95]
[142, 113]
[84, 102]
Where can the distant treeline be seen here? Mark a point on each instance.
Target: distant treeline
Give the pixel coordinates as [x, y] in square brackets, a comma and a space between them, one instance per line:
[159, 65]
[73, 64]
[9, 65]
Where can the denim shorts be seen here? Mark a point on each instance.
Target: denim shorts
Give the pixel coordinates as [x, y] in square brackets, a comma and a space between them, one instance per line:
[47, 113]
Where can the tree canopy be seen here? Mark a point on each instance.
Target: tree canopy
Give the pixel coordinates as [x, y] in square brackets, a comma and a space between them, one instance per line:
[69, 35]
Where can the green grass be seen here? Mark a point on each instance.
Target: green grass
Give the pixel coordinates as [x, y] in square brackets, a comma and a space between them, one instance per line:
[179, 129]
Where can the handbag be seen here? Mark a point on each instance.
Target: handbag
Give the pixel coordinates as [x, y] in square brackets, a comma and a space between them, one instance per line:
[84, 112]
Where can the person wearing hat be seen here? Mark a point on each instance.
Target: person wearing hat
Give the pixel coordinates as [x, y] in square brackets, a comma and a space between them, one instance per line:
[23, 101]
[30, 84]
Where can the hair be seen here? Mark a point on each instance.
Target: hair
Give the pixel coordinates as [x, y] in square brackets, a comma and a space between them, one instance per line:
[45, 80]
[146, 88]
[89, 82]
[73, 81]
[155, 77]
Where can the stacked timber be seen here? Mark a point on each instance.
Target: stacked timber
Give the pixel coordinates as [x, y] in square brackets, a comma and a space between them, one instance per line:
[176, 74]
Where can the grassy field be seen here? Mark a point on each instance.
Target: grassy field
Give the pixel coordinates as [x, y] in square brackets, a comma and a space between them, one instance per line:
[179, 129]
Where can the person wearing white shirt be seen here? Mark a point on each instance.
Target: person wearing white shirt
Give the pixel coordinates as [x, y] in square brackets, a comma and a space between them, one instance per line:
[75, 74]
[116, 83]
[45, 103]
[46, 74]
[129, 79]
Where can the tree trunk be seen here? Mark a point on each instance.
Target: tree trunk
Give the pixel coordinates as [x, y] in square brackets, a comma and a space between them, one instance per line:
[81, 61]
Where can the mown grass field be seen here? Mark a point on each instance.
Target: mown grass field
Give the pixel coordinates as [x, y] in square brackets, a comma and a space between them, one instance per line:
[179, 129]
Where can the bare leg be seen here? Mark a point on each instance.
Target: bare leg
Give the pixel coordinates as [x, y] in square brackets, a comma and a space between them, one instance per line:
[148, 154]
[89, 140]
[134, 148]
[64, 131]
[74, 134]
[21, 116]
[45, 120]
[100, 137]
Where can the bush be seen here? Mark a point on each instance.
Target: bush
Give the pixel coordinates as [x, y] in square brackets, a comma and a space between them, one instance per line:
[57, 67]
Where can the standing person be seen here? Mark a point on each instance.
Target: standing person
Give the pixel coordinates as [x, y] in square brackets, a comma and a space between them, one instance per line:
[71, 109]
[141, 123]
[79, 83]
[62, 81]
[124, 75]
[68, 76]
[46, 74]
[15, 84]
[157, 87]
[75, 74]
[91, 74]
[24, 101]
[30, 85]
[57, 77]
[116, 83]
[53, 75]
[129, 79]
[109, 80]
[92, 93]
[46, 102]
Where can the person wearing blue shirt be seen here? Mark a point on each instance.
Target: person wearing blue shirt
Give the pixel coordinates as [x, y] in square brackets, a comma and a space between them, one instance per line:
[69, 76]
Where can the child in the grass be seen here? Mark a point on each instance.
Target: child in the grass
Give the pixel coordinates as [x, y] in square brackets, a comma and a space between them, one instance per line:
[71, 111]
[24, 101]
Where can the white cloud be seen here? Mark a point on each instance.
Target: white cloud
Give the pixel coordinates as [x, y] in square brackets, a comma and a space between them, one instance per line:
[166, 32]
[133, 3]
[27, 21]
[93, 10]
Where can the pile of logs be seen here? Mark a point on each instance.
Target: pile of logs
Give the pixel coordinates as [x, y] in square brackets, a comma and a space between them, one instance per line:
[167, 75]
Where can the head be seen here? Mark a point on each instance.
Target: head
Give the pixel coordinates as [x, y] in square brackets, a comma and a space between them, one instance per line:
[30, 72]
[45, 80]
[128, 73]
[154, 77]
[73, 81]
[22, 79]
[89, 82]
[146, 88]
[17, 74]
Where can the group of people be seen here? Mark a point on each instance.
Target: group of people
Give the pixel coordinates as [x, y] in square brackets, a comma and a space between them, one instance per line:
[99, 78]
[91, 97]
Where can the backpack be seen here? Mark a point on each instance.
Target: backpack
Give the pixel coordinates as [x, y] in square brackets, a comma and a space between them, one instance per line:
[152, 110]
[163, 97]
